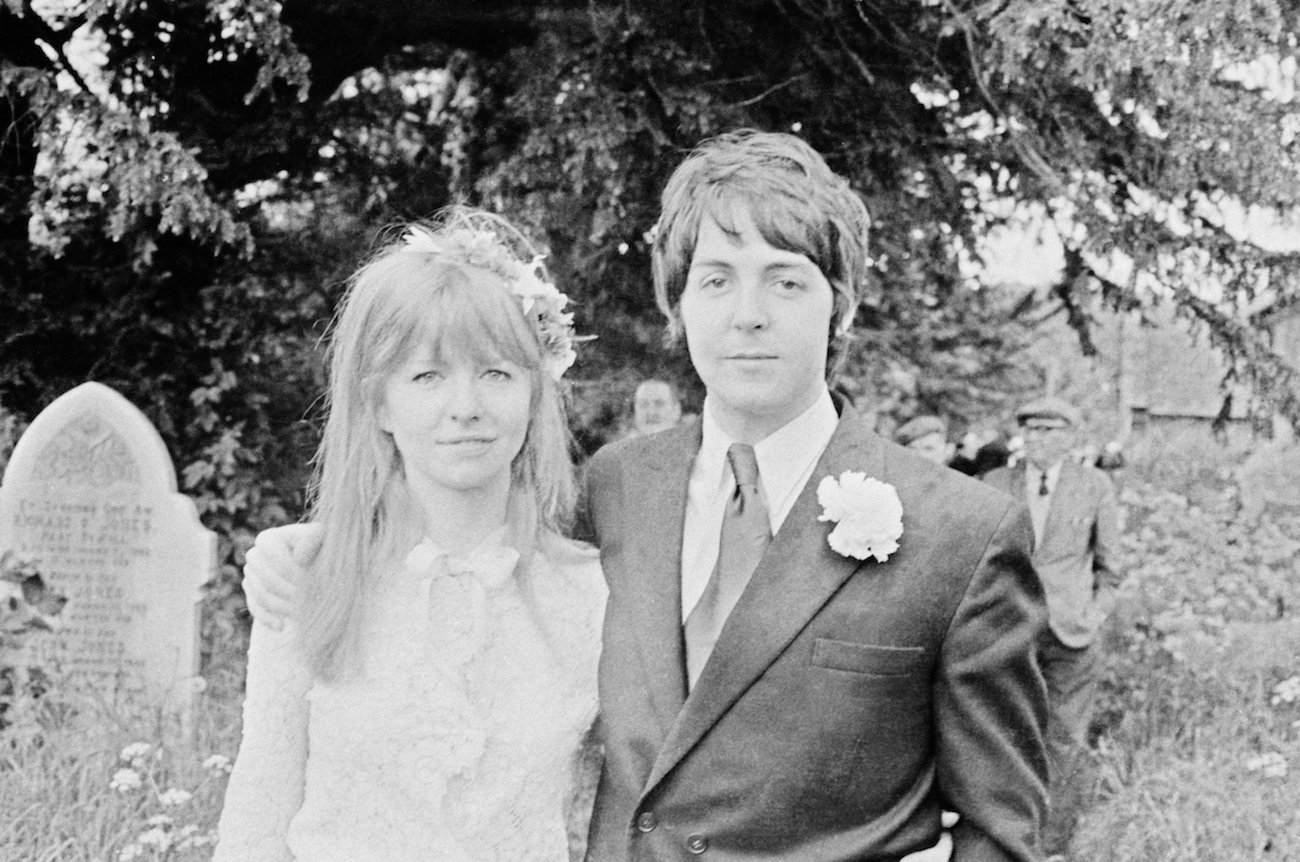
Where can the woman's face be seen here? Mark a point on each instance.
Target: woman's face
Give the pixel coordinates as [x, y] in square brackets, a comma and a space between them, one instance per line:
[458, 422]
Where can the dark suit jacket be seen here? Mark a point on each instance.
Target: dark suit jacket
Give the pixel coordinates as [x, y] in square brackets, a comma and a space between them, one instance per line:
[1077, 555]
[846, 702]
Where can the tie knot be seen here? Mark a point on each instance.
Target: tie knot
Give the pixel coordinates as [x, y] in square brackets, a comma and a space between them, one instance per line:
[744, 465]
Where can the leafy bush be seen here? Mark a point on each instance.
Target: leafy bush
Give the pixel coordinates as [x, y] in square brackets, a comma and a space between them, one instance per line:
[1196, 728]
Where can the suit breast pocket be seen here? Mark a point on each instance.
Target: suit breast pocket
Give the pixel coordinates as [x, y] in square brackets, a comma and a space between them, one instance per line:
[867, 659]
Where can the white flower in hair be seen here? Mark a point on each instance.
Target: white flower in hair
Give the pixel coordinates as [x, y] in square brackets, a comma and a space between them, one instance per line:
[867, 512]
[542, 302]
[417, 238]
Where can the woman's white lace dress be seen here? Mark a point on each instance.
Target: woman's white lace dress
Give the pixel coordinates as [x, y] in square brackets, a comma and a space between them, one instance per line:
[456, 743]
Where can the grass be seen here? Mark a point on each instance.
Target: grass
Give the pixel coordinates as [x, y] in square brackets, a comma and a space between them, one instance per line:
[58, 802]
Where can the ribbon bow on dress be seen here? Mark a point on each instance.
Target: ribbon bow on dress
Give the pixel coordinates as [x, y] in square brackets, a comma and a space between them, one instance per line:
[456, 588]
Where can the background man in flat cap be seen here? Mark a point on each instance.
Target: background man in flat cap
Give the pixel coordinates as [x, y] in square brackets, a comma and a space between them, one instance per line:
[1076, 546]
[927, 436]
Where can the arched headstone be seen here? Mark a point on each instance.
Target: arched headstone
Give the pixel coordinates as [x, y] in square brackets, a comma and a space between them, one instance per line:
[90, 493]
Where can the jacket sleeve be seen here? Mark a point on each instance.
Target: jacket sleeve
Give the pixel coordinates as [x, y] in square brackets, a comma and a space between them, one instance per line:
[1105, 541]
[266, 785]
[584, 530]
[598, 483]
[991, 704]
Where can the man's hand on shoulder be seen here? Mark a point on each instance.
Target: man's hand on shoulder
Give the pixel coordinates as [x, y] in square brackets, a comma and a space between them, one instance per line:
[275, 568]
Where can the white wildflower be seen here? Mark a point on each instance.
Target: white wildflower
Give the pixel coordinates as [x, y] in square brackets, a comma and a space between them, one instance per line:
[157, 837]
[1287, 691]
[218, 763]
[174, 796]
[125, 780]
[135, 753]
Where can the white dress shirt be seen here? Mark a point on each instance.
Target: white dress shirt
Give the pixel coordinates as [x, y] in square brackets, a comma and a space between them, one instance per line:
[786, 459]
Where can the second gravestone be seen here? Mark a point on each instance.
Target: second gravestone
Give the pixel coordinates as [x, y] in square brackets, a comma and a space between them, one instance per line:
[91, 494]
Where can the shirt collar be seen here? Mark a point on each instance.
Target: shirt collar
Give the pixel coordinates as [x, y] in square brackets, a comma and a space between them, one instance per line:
[783, 456]
[1053, 472]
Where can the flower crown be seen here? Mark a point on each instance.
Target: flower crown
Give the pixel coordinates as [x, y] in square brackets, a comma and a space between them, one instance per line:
[542, 303]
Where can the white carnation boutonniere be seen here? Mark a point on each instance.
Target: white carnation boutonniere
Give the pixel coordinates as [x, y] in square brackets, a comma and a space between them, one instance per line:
[867, 513]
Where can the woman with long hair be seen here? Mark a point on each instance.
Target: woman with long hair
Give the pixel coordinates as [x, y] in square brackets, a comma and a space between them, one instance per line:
[428, 699]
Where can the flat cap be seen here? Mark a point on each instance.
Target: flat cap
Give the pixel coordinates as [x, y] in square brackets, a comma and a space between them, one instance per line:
[1049, 411]
[918, 427]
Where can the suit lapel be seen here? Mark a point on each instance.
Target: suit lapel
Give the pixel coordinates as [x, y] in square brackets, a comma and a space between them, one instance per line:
[797, 575]
[1012, 481]
[658, 481]
[1060, 502]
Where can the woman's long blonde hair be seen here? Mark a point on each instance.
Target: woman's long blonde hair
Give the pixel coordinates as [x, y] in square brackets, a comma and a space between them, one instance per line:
[404, 296]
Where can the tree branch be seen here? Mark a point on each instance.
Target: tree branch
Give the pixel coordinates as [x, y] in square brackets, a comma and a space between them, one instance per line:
[57, 41]
[769, 91]
[1028, 154]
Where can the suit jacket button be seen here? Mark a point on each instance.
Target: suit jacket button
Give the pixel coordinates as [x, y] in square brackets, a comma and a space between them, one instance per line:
[697, 844]
[646, 821]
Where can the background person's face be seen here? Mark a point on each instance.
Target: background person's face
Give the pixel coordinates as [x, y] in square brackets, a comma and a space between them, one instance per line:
[1045, 445]
[655, 408]
[757, 321]
[932, 447]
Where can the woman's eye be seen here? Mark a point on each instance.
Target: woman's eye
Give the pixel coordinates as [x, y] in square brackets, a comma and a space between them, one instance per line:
[430, 376]
[498, 374]
[712, 282]
[789, 285]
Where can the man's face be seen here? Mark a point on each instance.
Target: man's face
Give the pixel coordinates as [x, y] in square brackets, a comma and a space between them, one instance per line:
[932, 447]
[757, 321]
[655, 407]
[1046, 443]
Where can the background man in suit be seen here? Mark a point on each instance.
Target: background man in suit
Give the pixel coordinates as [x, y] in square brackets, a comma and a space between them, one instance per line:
[829, 706]
[1076, 529]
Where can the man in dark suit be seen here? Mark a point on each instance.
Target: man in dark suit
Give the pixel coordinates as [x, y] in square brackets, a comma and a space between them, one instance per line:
[1076, 525]
[838, 695]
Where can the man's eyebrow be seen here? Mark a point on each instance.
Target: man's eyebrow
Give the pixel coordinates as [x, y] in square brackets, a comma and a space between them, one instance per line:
[714, 262]
[798, 263]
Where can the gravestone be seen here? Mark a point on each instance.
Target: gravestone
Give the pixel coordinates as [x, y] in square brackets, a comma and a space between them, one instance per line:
[90, 493]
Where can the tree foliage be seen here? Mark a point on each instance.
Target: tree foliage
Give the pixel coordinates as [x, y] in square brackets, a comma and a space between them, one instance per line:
[186, 185]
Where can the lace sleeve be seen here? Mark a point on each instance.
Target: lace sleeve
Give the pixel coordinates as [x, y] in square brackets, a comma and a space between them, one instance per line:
[582, 615]
[266, 786]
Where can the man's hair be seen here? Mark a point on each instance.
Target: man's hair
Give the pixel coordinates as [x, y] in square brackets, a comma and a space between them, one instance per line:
[795, 200]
